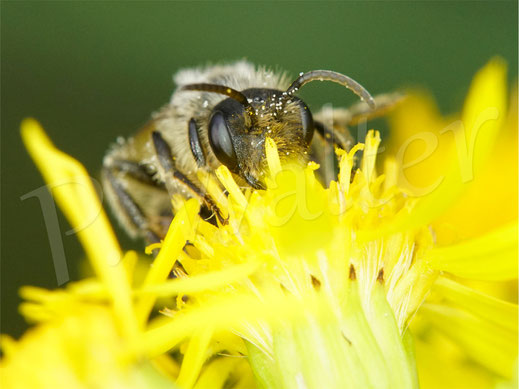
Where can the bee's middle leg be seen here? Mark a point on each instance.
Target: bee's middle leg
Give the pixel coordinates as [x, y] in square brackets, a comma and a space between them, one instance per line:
[333, 124]
[115, 174]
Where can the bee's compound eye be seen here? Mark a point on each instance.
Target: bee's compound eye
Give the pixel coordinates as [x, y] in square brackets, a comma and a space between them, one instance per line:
[307, 123]
[221, 142]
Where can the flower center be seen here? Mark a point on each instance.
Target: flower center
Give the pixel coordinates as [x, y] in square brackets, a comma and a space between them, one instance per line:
[321, 269]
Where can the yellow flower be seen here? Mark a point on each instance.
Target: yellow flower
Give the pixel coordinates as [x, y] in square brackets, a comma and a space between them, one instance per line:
[70, 351]
[485, 213]
[305, 286]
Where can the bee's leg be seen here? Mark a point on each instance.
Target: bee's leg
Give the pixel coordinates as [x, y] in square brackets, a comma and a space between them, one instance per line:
[333, 124]
[341, 119]
[195, 144]
[134, 170]
[362, 112]
[175, 177]
[129, 212]
[323, 147]
[140, 223]
[333, 136]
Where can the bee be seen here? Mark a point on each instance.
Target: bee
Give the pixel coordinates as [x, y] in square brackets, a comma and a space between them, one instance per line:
[221, 115]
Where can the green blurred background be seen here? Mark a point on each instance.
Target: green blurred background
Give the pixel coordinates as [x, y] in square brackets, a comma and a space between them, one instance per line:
[92, 71]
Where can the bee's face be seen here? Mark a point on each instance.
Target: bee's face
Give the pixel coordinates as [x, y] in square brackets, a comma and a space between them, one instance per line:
[237, 136]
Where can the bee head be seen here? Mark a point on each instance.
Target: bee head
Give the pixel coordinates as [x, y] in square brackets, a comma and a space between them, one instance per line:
[240, 124]
[237, 133]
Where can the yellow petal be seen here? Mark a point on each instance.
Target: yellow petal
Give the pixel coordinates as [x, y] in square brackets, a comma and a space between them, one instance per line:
[443, 364]
[216, 373]
[490, 257]
[180, 230]
[73, 191]
[417, 142]
[474, 138]
[167, 365]
[194, 358]
[201, 282]
[82, 349]
[489, 308]
[491, 345]
[7, 344]
[271, 151]
[491, 198]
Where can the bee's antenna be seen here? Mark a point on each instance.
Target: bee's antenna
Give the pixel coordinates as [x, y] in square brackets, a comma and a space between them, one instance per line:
[328, 75]
[223, 90]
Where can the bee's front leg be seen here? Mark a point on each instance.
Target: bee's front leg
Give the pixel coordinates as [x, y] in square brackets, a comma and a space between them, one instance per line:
[175, 178]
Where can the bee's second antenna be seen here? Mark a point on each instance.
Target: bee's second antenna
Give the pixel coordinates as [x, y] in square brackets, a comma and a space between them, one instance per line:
[328, 75]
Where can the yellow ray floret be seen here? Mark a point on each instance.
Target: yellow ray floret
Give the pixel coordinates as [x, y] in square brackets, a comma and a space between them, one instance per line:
[73, 190]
